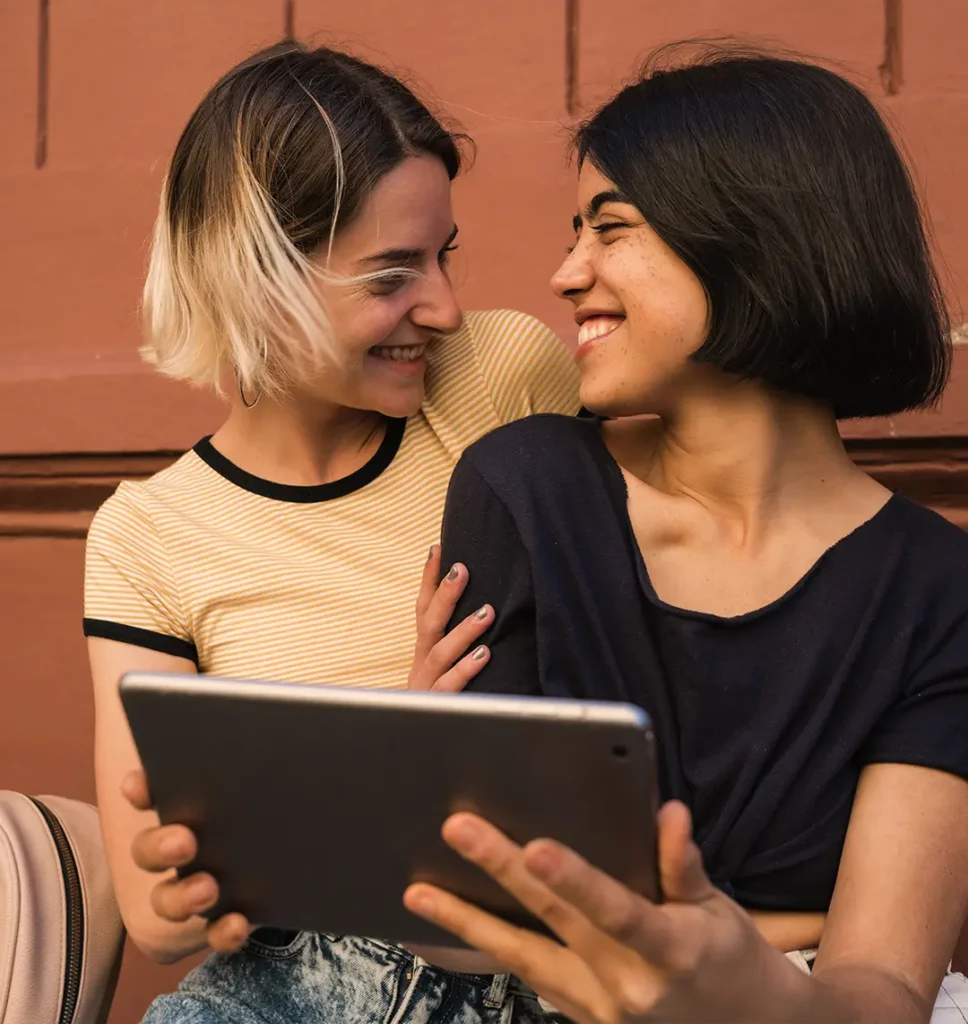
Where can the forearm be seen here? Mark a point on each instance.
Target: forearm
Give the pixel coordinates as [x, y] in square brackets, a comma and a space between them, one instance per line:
[841, 994]
[160, 939]
[863, 994]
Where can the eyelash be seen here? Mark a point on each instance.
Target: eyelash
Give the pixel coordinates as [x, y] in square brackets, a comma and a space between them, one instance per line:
[389, 284]
[600, 229]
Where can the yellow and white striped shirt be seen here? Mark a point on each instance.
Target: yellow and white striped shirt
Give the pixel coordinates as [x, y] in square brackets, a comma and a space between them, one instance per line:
[313, 584]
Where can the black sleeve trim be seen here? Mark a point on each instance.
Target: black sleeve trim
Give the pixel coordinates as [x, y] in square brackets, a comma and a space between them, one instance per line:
[137, 637]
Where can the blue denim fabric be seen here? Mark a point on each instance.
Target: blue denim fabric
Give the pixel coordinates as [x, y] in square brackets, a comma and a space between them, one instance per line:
[322, 979]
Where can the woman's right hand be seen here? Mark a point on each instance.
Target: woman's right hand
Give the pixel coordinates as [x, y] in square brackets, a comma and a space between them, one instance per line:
[162, 849]
[439, 661]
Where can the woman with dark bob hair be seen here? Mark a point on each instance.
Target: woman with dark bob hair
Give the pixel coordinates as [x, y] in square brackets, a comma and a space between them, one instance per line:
[750, 266]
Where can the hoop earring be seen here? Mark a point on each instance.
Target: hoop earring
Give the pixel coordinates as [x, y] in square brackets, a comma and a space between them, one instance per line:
[248, 405]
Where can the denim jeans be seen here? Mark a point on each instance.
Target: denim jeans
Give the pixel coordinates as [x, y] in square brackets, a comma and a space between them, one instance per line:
[325, 979]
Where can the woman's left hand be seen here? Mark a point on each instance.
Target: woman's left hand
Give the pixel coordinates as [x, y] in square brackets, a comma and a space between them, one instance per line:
[439, 659]
[697, 957]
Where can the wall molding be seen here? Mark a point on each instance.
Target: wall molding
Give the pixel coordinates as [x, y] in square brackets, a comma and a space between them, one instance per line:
[56, 496]
[931, 470]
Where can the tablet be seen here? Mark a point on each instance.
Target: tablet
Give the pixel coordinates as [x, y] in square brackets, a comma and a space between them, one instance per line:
[316, 806]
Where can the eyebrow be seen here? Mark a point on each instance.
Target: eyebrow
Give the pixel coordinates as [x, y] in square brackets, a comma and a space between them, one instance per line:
[405, 255]
[595, 204]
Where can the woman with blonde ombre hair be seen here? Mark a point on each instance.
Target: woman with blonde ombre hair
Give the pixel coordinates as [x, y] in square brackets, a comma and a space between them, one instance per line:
[299, 269]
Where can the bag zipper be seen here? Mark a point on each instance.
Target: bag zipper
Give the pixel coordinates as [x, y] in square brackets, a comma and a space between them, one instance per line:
[74, 913]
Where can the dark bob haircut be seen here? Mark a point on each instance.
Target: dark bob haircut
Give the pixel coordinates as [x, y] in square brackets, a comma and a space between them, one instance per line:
[778, 184]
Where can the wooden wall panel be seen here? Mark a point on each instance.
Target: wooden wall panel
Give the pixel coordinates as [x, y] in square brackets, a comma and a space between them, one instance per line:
[19, 25]
[125, 77]
[932, 52]
[614, 35]
[498, 69]
[122, 79]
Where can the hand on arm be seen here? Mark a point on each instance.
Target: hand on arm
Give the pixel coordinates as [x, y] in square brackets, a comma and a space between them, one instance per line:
[440, 661]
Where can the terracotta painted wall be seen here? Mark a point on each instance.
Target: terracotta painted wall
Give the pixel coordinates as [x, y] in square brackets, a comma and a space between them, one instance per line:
[93, 94]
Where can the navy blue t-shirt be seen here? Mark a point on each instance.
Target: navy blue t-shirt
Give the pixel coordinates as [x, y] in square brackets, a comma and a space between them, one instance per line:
[764, 720]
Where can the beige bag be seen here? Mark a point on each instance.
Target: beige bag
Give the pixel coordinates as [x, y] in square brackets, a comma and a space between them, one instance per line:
[60, 930]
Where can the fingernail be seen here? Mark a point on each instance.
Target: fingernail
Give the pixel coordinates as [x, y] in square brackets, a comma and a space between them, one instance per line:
[201, 891]
[433, 551]
[173, 847]
[421, 903]
[543, 862]
[482, 612]
[464, 834]
[453, 574]
[479, 654]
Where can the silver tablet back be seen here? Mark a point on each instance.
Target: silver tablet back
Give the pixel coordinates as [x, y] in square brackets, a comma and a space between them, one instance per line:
[315, 807]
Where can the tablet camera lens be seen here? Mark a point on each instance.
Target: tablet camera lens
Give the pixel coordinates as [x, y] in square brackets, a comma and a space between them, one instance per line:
[620, 751]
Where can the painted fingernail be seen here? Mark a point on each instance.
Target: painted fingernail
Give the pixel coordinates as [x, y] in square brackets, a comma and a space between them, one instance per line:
[480, 654]
[433, 551]
[453, 574]
[482, 612]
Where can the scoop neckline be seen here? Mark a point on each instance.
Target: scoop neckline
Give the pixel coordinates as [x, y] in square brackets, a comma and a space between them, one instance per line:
[305, 494]
[618, 479]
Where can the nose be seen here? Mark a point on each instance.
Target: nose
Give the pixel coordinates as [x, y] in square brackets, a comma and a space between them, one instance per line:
[437, 308]
[575, 276]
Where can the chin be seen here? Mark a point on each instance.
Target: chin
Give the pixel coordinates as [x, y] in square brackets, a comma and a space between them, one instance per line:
[398, 406]
[601, 401]
[611, 403]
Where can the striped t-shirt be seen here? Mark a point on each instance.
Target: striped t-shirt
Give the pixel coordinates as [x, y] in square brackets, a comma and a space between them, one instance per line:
[312, 584]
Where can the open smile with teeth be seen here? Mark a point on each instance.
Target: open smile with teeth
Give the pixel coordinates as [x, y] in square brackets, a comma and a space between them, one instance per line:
[597, 327]
[396, 354]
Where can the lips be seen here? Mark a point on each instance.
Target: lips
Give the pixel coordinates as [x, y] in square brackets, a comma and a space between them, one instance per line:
[601, 325]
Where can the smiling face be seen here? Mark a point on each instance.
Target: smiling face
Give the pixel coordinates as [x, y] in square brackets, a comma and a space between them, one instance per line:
[382, 327]
[641, 311]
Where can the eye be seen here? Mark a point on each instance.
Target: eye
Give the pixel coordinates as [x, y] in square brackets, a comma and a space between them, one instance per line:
[602, 230]
[389, 283]
[443, 257]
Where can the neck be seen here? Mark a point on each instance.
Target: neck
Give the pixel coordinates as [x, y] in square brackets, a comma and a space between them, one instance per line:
[749, 453]
[299, 440]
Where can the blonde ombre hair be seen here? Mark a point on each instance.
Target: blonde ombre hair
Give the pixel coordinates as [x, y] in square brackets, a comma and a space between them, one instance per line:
[278, 157]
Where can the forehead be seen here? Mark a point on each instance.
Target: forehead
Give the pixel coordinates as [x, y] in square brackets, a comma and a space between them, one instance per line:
[591, 181]
[410, 205]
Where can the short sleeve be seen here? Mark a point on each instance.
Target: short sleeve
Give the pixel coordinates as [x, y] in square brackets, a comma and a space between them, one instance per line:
[480, 532]
[129, 592]
[526, 367]
[928, 725]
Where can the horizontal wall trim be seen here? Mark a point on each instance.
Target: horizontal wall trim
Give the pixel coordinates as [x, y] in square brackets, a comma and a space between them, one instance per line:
[57, 495]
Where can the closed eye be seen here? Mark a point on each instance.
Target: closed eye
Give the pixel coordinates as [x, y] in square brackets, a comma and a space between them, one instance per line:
[601, 229]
